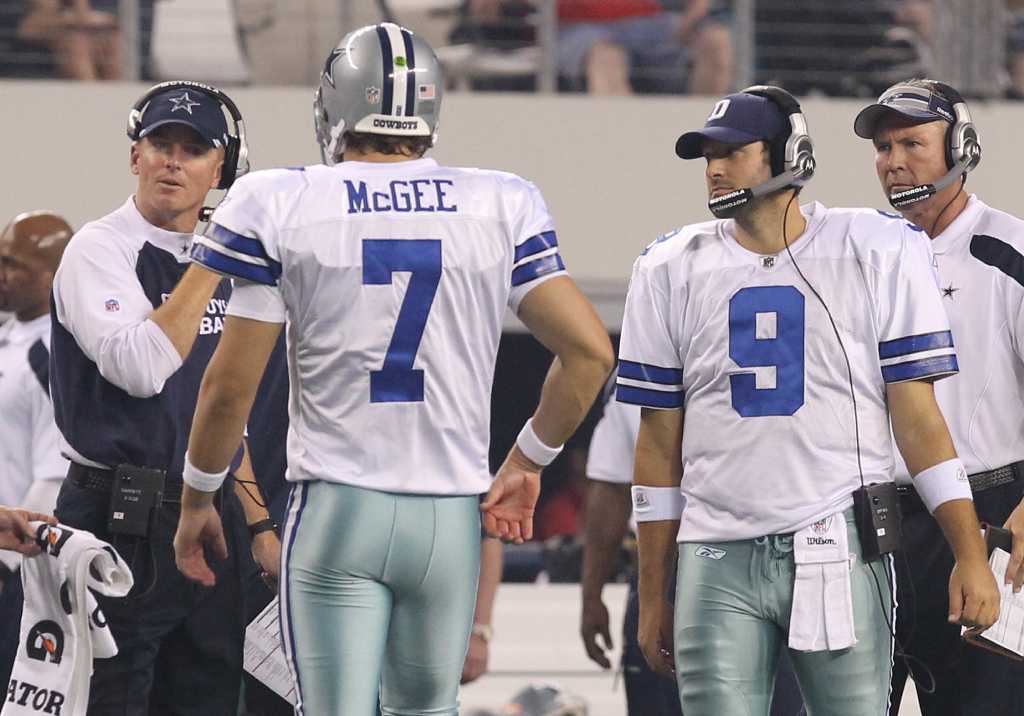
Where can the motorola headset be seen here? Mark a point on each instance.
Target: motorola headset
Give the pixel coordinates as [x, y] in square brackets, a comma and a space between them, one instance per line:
[791, 155]
[236, 151]
[963, 148]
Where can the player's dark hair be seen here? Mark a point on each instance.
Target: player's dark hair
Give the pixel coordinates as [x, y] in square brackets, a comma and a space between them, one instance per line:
[388, 144]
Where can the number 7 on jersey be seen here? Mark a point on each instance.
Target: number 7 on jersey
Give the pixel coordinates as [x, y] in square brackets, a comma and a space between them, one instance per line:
[397, 381]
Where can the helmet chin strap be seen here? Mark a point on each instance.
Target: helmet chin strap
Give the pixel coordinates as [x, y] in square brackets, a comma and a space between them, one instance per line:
[727, 205]
[924, 191]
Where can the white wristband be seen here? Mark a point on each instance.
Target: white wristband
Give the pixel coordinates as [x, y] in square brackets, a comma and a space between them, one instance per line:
[942, 483]
[202, 481]
[651, 504]
[533, 448]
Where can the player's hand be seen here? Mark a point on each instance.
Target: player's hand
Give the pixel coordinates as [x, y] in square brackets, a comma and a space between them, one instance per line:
[476, 659]
[654, 635]
[198, 525]
[16, 533]
[266, 550]
[509, 505]
[973, 596]
[1015, 569]
[594, 623]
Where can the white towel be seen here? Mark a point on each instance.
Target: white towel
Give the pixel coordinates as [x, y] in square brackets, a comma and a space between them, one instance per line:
[62, 627]
[822, 614]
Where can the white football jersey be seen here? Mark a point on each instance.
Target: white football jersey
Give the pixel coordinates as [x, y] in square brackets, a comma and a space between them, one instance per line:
[393, 279]
[743, 345]
[29, 441]
[981, 276]
[613, 446]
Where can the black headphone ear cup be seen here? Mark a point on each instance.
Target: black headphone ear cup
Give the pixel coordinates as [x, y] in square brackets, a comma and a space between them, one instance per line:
[230, 168]
[804, 162]
[132, 124]
[971, 146]
[950, 159]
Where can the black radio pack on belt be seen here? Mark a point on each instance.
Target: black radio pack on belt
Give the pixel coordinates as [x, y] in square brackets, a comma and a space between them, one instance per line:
[136, 491]
[877, 511]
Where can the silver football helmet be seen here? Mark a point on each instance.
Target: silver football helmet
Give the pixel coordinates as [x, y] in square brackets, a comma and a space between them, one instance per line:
[380, 79]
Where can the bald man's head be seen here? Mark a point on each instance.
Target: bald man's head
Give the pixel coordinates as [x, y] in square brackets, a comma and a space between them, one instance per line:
[31, 247]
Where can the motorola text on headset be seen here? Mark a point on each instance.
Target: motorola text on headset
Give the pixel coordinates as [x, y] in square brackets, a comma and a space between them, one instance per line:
[791, 154]
[236, 151]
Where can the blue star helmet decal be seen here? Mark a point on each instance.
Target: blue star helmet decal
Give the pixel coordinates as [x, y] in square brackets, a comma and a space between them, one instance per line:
[328, 73]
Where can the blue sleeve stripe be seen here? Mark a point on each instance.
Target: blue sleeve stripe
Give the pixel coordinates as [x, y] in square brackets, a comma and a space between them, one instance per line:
[236, 242]
[917, 369]
[536, 244]
[229, 266]
[915, 344]
[648, 398]
[650, 373]
[535, 269]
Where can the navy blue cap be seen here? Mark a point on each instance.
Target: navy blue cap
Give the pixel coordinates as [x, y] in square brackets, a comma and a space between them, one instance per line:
[739, 118]
[912, 103]
[190, 107]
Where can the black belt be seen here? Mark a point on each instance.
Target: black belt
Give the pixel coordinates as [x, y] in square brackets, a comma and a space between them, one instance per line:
[102, 480]
[980, 481]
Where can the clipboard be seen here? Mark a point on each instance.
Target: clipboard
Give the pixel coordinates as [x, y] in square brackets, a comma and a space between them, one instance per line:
[999, 538]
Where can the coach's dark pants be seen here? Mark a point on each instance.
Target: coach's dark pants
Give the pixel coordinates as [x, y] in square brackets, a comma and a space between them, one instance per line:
[650, 694]
[179, 644]
[11, 600]
[967, 681]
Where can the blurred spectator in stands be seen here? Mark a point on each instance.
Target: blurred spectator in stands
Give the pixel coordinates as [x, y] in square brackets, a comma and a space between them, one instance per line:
[82, 35]
[842, 47]
[501, 24]
[561, 513]
[615, 47]
[1015, 48]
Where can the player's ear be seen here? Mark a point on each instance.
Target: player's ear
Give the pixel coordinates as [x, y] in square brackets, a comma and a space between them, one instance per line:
[134, 158]
[219, 169]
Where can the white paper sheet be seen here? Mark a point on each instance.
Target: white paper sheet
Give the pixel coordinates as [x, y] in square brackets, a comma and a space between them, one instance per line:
[1008, 631]
[264, 654]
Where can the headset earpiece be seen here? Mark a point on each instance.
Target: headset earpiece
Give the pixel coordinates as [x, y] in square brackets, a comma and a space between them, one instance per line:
[791, 155]
[793, 151]
[962, 144]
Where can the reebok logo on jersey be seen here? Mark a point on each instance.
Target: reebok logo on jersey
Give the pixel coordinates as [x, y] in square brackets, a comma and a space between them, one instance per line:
[709, 552]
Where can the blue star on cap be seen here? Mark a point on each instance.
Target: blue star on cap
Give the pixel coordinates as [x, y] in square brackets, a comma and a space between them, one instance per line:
[184, 102]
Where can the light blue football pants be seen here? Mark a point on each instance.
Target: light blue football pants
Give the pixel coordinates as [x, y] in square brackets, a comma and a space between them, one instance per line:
[732, 614]
[377, 597]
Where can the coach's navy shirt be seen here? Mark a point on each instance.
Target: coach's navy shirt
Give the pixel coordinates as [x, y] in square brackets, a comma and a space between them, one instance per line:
[121, 393]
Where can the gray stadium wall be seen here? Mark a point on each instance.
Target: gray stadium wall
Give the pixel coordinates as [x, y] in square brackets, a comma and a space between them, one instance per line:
[607, 167]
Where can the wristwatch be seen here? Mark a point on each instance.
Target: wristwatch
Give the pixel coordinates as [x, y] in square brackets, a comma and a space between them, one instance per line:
[484, 631]
[262, 526]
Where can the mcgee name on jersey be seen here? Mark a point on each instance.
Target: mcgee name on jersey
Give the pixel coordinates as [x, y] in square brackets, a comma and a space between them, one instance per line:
[416, 195]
